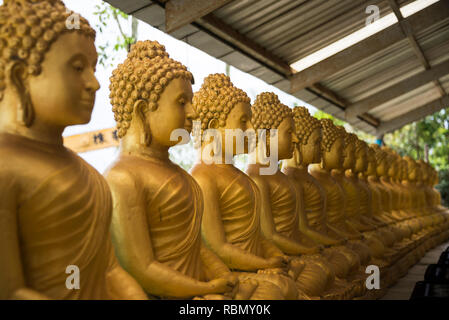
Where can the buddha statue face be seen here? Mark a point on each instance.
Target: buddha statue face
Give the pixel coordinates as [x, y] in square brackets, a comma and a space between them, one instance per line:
[371, 159]
[63, 93]
[47, 79]
[403, 169]
[333, 159]
[411, 169]
[361, 156]
[311, 151]
[152, 95]
[350, 155]
[392, 168]
[381, 160]
[309, 134]
[269, 113]
[239, 118]
[436, 178]
[382, 165]
[219, 105]
[332, 146]
[423, 169]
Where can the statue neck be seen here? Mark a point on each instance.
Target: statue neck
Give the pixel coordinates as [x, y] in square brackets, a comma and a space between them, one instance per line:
[289, 163]
[318, 167]
[40, 133]
[131, 145]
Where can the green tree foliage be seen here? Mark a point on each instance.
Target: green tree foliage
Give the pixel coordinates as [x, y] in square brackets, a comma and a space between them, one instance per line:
[427, 139]
[108, 14]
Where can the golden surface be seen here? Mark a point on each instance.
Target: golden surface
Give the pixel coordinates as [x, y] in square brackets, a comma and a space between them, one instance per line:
[55, 209]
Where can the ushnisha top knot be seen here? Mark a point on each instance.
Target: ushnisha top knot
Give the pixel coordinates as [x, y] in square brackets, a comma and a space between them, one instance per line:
[27, 30]
[305, 124]
[216, 98]
[268, 112]
[144, 74]
[330, 134]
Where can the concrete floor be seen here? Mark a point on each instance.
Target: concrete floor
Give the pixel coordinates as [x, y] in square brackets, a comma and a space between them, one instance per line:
[404, 287]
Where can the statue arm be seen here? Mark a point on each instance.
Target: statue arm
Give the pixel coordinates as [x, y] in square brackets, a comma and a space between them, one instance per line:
[214, 266]
[286, 244]
[12, 278]
[133, 244]
[121, 285]
[303, 223]
[214, 235]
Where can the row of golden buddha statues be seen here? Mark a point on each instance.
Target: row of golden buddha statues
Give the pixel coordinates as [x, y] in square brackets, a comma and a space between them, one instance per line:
[149, 229]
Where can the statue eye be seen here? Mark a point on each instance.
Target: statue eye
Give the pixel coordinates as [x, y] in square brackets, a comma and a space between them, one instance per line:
[182, 101]
[78, 66]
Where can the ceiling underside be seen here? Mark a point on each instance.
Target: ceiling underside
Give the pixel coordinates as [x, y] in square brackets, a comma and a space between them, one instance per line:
[392, 78]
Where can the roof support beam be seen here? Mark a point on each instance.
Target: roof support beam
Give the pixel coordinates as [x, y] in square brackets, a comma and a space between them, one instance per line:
[179, 13]
[397, 90]
[407, 29]
[417, 114]
[340, 102]
[381, 40]
[236, 39]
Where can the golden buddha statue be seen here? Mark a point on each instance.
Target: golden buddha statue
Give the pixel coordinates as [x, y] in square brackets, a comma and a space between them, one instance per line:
[158, 206]
[281, 203]
[434, 201]
[55, 208]
[394, 234]
[428, 220]
[313, 221]
[357, 203]
[332, 158]
[231, 222]
[394, 171]
[381, 230]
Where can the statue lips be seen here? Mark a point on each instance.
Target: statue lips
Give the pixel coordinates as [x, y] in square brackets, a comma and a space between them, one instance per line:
[87, 103]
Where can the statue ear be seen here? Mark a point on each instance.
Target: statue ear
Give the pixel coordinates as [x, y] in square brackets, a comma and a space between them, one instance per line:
[140, 122]
[213, 124]
[140, 109]
[17, 75]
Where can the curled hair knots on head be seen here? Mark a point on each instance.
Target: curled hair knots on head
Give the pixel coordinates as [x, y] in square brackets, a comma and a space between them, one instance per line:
[371, 153]
[27, 30]
[144, 74]
[330, 134]
[216, 98]
[268, 112]
[379, 153]
[360, 145]
[305, 124]
[350, 138]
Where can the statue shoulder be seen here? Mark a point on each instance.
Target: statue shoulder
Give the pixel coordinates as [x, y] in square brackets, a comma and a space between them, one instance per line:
[121, 175]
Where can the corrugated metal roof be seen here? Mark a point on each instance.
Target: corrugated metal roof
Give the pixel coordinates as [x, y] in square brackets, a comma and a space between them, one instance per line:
[289, 30]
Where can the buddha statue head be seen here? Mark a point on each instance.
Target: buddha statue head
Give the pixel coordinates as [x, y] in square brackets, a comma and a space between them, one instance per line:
[309, 134]
[436, 178]
[219, 105]
[47, 79]
[371, 169]
[393, 159]
[402, 170]
[349, 150]
[381, 160]
[424, 170]
[332, 146]
[412, 169]
[151, 97]
[270, 114]
[361, 163]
